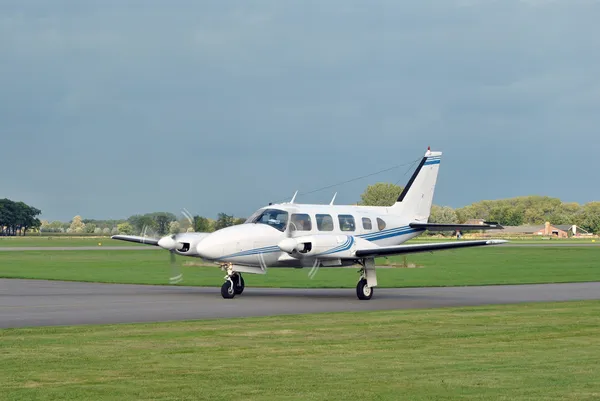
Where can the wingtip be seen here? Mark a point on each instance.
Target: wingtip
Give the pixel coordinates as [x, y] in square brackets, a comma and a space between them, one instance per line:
[497, 241]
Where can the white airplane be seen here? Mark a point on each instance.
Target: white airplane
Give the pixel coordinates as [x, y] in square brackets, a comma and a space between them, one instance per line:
[301, 235]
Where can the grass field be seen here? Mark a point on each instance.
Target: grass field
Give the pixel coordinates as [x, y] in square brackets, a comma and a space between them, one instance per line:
[477, 266]
[36, 241]
[518, 352]
[60, 241]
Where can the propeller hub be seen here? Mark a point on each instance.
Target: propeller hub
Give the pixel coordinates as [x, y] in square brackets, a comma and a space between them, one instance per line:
[288, 245]
[167, 243]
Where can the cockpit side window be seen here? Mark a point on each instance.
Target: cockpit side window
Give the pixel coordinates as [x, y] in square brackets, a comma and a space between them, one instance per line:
[272, 217]
[300, 222]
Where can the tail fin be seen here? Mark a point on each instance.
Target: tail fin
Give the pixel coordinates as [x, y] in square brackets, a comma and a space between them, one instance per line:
[415, 200]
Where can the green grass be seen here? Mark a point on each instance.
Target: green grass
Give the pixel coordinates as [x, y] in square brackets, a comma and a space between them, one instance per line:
[36, 241]
[529, 240]
[518, 352]
[477, 266]
[66, 241]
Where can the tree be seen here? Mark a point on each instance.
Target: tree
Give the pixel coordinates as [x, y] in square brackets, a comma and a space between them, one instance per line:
[77, 225]
[17, 217]
[174, 227]
[44, 226]
[223, 220]
[238, 220]
[202, 224]
[125, 228]
[27, 217]
[162, 221]
[507, 216]
[138, 222]
[56, 227]
[443, 215]
[380, 194]
[589, 217]
[90, 228]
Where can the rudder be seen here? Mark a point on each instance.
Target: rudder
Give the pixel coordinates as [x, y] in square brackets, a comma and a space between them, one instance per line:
[415, 200]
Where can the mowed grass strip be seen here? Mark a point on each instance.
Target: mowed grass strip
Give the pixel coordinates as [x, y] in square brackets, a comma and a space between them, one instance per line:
[518, 352]
[480, 266]
[51, 242]
[34, 240]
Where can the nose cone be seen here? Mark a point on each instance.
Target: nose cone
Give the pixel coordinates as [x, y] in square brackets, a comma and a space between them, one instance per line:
[167, 243]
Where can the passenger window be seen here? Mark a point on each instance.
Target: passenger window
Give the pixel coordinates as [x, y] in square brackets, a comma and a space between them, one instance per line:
[367, 223]
[380, 224]
[324, 222]
[301, 222]
[346, 222]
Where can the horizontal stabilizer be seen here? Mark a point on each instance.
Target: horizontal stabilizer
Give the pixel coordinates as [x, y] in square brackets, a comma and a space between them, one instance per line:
[416, 248]
[139, 240]
[453, 227]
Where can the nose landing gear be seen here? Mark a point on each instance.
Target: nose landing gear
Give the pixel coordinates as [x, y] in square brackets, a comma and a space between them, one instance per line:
[233, 285]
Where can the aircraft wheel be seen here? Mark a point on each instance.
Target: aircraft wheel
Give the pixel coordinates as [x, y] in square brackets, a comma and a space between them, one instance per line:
[227, 291]
[363, 291]
[239, 285]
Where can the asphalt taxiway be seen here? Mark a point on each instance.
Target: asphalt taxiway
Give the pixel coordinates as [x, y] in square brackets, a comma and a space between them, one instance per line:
[25, 303]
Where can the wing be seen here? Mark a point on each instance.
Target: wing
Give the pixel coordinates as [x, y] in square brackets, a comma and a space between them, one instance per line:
[139, 240]
[415, 248]
[453, 227]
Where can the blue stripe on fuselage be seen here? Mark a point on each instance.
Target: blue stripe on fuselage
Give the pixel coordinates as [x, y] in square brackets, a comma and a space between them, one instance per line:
[390, 233]
[344, 247]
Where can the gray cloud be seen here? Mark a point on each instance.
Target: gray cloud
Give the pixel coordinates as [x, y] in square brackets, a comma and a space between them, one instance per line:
[111, 108]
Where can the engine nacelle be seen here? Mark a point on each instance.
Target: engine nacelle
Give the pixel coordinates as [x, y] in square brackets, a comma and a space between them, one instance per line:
[186, 243]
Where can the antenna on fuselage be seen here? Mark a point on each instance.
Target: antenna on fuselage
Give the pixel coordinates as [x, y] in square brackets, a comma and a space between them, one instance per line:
[294, 197]
[334, 195]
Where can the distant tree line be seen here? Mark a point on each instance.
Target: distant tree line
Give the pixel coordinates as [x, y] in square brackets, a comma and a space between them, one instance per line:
[523, 210]
[16, 218]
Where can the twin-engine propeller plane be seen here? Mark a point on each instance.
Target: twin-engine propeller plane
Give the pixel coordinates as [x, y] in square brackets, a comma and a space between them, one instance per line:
[301, 235]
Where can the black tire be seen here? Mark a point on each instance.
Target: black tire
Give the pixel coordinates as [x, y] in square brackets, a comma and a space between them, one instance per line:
[239, 284]
[363, 291]
[227, 291]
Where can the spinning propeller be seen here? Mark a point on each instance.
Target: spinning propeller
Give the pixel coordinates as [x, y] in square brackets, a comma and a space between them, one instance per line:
[170, 244]
[290, 244]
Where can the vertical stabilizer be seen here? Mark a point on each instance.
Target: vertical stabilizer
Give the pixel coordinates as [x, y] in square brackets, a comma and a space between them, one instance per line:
[415, 200]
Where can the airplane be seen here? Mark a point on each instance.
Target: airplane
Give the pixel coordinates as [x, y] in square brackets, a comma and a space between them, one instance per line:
[293, 235]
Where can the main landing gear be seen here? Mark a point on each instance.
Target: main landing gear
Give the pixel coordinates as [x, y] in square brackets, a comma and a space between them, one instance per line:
[368, 280]
[363, 291]
[234, 284]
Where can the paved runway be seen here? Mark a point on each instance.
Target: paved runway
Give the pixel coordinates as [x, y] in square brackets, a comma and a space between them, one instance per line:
[43, 303]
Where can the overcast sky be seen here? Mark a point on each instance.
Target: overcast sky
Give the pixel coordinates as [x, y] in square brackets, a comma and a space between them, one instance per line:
[110, 108]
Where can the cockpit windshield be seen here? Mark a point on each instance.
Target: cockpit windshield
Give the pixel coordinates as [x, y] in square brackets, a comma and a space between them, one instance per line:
[272, 217]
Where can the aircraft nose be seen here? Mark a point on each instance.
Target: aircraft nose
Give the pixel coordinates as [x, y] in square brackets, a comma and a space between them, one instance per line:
[167, 243]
